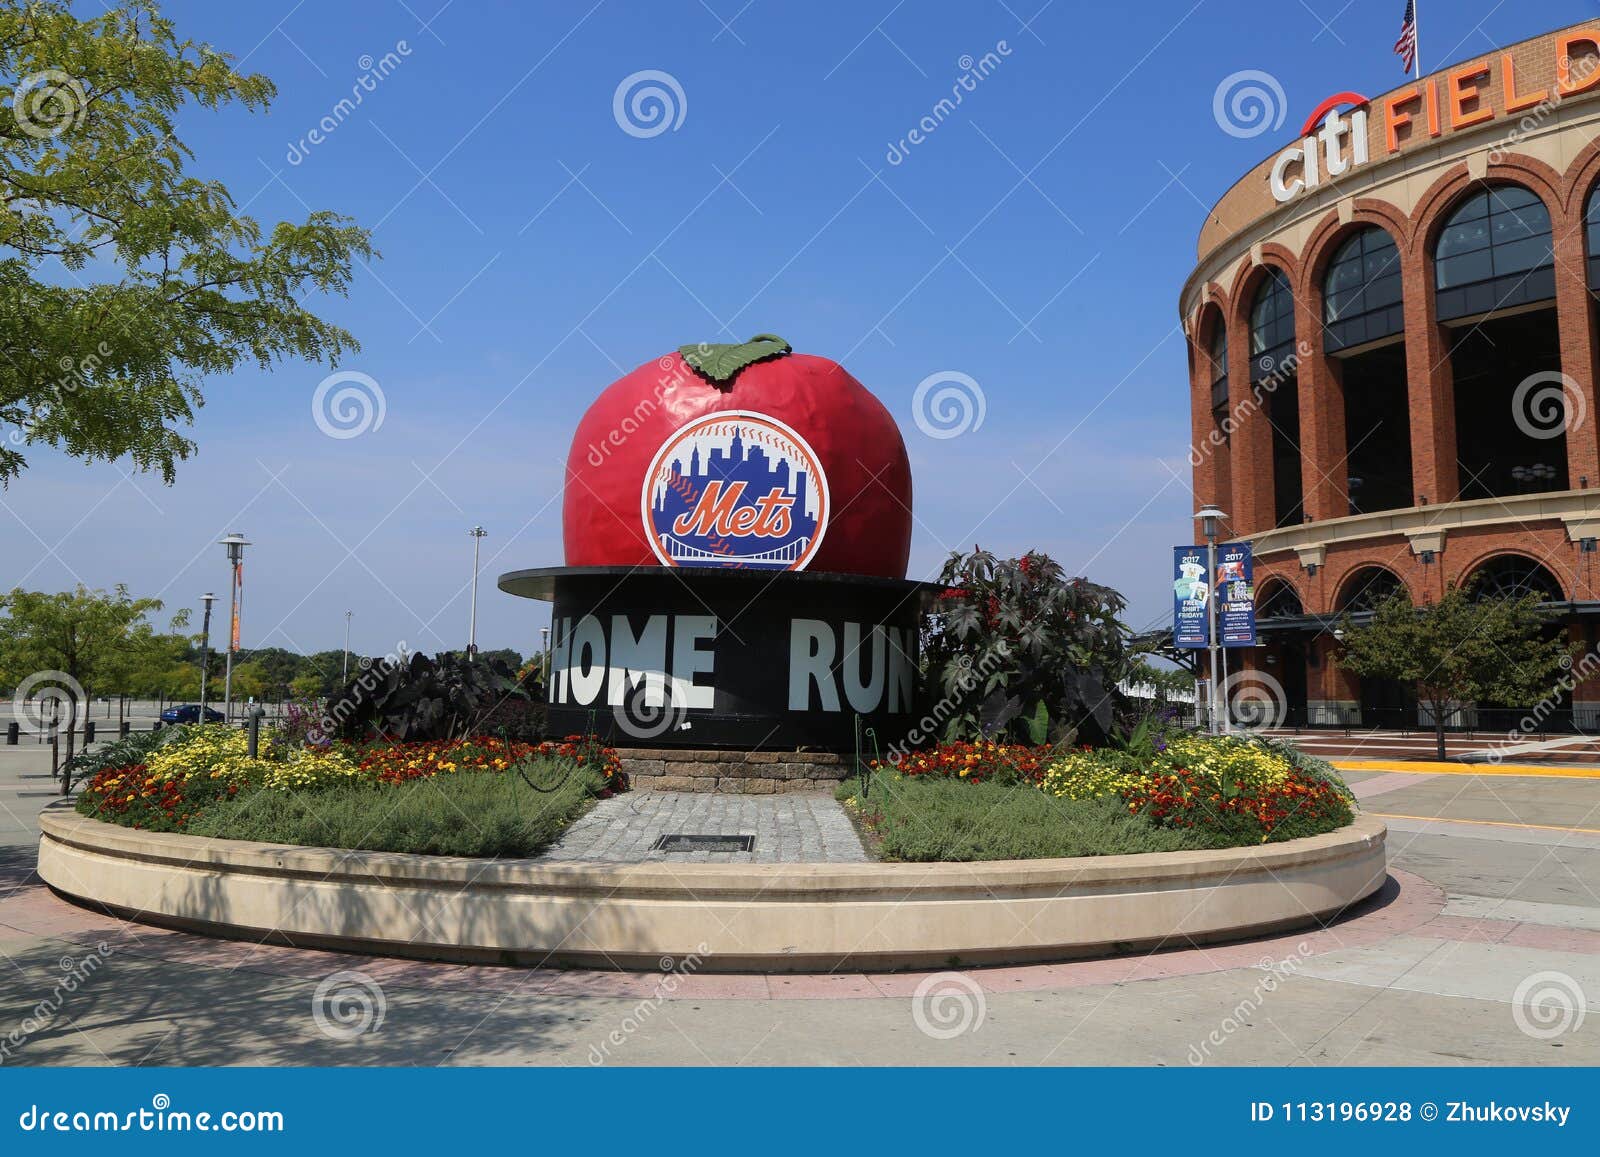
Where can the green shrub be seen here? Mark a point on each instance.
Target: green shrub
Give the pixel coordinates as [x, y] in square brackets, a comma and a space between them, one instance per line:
[940, 819]
[474, 813]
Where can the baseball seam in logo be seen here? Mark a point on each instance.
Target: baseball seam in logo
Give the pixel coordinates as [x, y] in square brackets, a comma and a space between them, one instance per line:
[735, 489]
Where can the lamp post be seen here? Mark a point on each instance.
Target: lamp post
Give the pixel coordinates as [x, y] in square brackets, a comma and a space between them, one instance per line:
[544, 651]
[235, 544]
[1209, 517]
[344, 669]
[205, 651]
[477, 533]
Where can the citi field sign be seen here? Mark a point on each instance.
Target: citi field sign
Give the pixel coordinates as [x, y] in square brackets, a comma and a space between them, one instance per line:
[1335, 143]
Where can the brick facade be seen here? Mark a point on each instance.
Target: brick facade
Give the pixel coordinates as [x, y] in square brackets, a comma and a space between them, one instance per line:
[1236, 471]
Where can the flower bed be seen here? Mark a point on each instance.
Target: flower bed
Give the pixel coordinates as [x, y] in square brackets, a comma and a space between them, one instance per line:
[195, 769]
[1206, 791]
[984, 762]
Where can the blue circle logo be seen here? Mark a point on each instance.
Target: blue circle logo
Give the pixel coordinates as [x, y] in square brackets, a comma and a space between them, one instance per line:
[735, 489]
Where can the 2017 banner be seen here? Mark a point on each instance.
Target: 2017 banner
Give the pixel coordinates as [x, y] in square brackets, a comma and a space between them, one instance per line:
[1191, 587]
[1236, 594]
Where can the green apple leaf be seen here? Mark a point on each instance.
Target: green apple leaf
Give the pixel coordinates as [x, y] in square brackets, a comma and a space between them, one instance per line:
[721, 363]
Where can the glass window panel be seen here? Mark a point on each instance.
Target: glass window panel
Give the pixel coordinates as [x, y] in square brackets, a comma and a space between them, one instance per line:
[1509, 197]
[1463, 270]
[1459, 238]
[1521, 256]
[1472, 208]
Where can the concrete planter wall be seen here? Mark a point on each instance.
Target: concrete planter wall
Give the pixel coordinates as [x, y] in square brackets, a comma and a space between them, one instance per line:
[740, 917]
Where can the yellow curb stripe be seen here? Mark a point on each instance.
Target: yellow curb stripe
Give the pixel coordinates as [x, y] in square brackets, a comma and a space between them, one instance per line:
[1484, 823]
[1426, 767]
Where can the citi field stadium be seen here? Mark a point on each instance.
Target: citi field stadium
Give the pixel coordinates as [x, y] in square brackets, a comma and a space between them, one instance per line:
[1392, 341]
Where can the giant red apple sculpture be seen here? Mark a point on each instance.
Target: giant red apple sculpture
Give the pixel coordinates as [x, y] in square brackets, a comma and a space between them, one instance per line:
[744, 456]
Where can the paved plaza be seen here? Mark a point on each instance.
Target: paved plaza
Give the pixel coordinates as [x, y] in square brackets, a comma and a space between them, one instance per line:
[1494, 891]
[807, 828]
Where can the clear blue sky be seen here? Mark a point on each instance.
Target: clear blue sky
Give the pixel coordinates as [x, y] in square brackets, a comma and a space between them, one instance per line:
[533, 251]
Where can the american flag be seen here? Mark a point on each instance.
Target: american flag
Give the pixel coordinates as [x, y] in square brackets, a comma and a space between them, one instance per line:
[1406, 46]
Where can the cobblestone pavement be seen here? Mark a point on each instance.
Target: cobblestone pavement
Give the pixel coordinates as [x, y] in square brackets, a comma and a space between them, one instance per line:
[796, 828]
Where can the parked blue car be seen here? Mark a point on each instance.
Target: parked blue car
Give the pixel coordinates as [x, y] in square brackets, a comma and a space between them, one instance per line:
[189, 713]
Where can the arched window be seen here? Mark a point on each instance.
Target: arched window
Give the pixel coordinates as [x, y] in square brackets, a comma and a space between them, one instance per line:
[1366, 588]
[1591, 232]
[1361, 292]
[1494, 253]
[1271, 325]
[1514, 575]
[1219, 371]
[1277, 600]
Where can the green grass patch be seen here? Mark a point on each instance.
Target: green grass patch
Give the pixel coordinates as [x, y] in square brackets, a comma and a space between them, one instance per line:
[469, 813]
[924, 820]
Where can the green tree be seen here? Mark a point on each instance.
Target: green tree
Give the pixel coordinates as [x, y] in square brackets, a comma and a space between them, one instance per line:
[250, 681]
[75, 643]
[1460, 650]
[92, 170]
[307, 686]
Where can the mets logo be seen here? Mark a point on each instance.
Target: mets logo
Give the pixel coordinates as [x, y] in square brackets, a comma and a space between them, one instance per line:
[735, 489]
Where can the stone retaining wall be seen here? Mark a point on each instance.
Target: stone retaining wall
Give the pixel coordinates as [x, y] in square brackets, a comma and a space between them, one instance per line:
[731, 917]
[736, 772]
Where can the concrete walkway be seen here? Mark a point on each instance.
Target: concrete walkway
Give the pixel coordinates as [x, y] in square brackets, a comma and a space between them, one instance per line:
[803, 828]
[1483, 949]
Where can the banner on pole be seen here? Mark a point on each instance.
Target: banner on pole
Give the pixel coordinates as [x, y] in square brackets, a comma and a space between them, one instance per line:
[1236, 594]
[1191, 586]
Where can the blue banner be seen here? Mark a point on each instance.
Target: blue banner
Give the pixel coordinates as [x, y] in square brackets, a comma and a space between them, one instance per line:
[708, 1111]
[1191, 586]
[1236, 594]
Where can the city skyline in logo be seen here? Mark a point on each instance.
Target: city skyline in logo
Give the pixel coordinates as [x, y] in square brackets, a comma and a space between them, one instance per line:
[735, 489]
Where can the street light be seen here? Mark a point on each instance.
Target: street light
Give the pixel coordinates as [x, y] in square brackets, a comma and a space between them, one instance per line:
[544, 652]
[477, 533]
[344, 670]
[205, 651]
[1209, 516]
[235, 544]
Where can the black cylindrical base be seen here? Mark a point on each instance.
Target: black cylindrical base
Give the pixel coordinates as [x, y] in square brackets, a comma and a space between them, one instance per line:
[702, 657]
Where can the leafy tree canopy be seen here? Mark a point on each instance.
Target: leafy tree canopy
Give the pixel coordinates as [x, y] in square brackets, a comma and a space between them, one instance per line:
[92, 170]
[98, 641]
[1460, 649]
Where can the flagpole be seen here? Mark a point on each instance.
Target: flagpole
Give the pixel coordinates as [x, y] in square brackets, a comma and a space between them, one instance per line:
[1416, 41]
